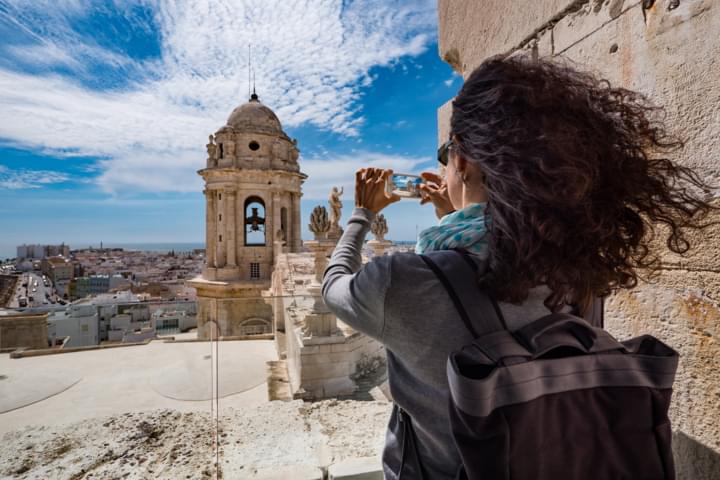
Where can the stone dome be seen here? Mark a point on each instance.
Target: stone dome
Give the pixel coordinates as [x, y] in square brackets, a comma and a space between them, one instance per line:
[254, 115]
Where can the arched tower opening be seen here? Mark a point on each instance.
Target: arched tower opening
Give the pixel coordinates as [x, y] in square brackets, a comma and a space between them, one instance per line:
[254, 221]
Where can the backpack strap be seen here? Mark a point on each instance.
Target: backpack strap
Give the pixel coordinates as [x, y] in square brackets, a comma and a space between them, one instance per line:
[457, 272]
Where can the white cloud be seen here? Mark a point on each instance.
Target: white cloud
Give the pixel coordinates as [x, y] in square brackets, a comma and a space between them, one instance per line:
[310, 58]
[451, 80]
[44, 55]
[20, 179]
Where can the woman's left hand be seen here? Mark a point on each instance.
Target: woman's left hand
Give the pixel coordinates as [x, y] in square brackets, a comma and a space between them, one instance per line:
[370, 189]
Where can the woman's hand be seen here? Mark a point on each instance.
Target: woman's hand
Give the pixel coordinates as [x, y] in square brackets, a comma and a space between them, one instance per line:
[370, 189]
[434, 190]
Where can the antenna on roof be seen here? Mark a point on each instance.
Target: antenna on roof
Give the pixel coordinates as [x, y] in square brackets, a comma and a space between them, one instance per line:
[249, 65]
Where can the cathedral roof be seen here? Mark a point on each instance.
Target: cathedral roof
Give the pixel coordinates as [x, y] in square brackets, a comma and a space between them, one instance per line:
[254, 114]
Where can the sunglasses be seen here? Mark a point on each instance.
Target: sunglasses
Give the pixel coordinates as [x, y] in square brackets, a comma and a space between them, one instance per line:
[443, 152]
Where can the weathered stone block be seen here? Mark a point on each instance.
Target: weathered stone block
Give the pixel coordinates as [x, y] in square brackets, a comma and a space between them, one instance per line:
[310, 350]
[545, 43]
[591, 17]
[443, 120]
[328, 387]
[471, 31]
[366, 468]
[340, 347]
[323, 358]
[296, 472]
[327, 370]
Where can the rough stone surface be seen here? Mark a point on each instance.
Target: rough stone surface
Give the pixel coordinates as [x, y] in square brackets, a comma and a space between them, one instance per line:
[369, 468]
[671, 55]
[23, 331]
[443, 115]
[471, 31]
[168, 444]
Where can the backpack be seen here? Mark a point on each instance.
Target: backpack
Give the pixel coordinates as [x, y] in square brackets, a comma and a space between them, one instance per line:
[557, 399]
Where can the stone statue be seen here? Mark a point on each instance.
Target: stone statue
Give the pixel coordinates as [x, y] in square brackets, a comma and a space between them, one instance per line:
[336, 206]
[319, 223]
[212, 150]
[379, 227]
[280, 235]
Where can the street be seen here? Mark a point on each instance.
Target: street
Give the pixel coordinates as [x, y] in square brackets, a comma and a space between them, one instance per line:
[33, 291]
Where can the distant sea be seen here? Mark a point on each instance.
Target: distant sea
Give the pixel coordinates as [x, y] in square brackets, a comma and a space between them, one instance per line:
[147, 247]
[9, 251]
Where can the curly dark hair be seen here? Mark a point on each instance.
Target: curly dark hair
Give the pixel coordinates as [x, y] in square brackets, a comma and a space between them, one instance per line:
[577, 179]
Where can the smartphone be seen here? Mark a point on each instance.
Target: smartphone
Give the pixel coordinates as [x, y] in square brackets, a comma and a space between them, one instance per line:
[404, 185]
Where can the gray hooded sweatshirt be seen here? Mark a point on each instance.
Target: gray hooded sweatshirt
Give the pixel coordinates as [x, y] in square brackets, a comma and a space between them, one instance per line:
[399, 301]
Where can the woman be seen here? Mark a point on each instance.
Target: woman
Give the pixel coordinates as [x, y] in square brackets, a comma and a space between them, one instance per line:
[554, 180]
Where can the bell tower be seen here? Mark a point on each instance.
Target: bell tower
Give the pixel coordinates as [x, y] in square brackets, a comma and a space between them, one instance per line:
[253, 186]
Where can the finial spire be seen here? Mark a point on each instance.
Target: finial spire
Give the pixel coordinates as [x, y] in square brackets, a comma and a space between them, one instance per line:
[251, 77]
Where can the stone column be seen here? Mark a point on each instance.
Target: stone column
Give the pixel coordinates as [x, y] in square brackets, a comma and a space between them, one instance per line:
[319, 321]
[295, 241]
[275, 223]
[220, 250]
[230, 213]
[211, 228]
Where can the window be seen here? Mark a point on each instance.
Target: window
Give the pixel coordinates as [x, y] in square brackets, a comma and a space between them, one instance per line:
[219, 196]
[220, 217]
[84, 328]
[254, 145]
[220, 149]
[254, 270]
[255, 326]
[220, 238]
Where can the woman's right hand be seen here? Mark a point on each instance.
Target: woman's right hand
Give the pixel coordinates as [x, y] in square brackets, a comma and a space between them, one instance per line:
[434, 190]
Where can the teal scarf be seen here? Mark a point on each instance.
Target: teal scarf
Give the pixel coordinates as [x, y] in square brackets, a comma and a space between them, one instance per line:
[463, 228]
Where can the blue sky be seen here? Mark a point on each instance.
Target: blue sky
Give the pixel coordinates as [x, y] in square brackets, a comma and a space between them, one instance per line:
[106, 106]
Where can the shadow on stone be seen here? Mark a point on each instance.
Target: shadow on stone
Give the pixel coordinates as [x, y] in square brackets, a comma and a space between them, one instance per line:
[693, 460]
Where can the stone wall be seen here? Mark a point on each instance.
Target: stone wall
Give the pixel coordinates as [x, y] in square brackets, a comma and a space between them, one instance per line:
[23, 331]
[669, 50]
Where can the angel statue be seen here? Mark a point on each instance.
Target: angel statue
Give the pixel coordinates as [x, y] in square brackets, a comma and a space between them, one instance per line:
[335, 206]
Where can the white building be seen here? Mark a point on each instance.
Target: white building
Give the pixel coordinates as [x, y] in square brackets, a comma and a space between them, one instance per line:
[173, 321]
[39, 252]
[96, 284]
[79, 322]
[128, 319]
